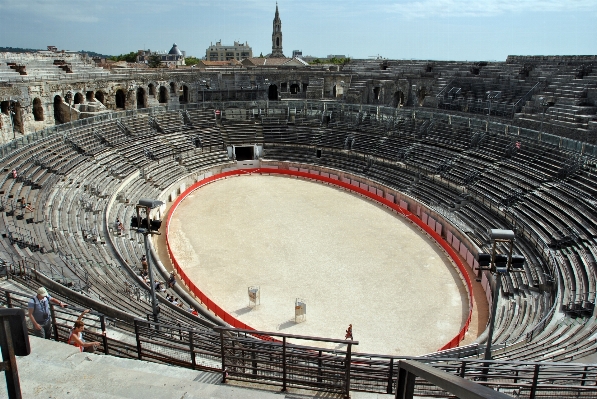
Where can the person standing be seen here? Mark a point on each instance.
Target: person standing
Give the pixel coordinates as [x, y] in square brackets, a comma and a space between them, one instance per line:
[349, 333]
[39, 313]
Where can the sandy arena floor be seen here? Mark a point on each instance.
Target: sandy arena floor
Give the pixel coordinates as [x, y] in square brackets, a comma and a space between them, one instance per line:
[350, 259]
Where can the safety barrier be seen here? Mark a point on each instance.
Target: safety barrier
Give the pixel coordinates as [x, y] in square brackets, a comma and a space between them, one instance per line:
[228, 318]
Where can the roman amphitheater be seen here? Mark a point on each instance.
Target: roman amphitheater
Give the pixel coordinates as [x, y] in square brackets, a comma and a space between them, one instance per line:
[296, 201]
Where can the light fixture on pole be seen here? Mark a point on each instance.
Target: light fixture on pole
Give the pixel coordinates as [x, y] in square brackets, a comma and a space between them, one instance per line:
[500, 265]
[147, 227]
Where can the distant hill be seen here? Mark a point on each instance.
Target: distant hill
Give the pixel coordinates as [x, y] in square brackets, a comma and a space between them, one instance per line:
[30, 50]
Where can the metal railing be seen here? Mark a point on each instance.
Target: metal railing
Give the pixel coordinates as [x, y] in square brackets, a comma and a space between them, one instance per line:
[238, 355]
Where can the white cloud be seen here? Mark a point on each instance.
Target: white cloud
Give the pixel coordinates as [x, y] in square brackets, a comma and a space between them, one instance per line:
[484, 8]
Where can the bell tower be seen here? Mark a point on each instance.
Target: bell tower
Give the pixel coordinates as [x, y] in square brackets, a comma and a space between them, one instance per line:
[277, 36]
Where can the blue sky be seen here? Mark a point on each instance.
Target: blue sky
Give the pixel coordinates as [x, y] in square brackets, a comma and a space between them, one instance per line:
[403, 29]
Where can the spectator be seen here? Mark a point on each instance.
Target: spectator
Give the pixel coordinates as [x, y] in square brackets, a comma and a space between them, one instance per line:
[159, 286]
[349, 333]
[171, 281]
[175, 301]
[144, 263]
[14, 174]
[170, 298]
[29, 207]
[194, 312]
[76, 336]
[39, 313]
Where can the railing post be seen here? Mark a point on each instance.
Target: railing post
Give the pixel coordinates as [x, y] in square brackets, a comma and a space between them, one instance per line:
[347, 376]
[319, 366]
[254, 357]
[223, 356]
[138, 339]
[13, 385]
[283, 364]
[8, 300]
[405, 387]
[104, 337]
[535, 382]
[462, 369]
[192, 349]
[54, 326]
[584, 376]
[390, 377]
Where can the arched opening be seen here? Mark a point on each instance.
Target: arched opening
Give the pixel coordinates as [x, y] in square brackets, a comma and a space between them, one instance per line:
[294, 88]
[376, 92]
[18, 119]
[141, 98]
[272, 93]
[38, 110]
[4, 107]
[184, 98]
[100, 97]
[163, 95]
[78, 98]
[421, 95]
[58, 111]
[172, 87]
[89, 96]
[334, 91]
[120, 99]
[277, 42]
[398, 99]
[151, 88]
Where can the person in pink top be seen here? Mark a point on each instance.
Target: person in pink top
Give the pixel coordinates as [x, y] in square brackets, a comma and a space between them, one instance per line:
[75, 337]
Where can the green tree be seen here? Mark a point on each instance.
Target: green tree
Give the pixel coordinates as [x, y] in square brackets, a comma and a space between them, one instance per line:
[191, 61]
[154, 61]
[130, 57]
[261, 55]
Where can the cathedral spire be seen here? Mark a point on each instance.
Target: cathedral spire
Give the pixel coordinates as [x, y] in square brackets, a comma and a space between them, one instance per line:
[277, 36]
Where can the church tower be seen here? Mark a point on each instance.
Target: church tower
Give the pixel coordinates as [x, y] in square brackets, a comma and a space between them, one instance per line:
[277, 37]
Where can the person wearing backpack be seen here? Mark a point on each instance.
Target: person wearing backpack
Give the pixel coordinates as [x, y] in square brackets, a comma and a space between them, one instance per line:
[39, 313]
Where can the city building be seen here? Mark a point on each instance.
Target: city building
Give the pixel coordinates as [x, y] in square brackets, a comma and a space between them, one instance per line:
[174, 57]
[219, 52]
[297, 53]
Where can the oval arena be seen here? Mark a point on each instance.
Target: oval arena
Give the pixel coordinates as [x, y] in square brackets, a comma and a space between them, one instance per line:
[390, 243]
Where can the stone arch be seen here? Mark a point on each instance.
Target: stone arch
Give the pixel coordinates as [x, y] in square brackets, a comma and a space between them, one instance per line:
[58, 110]
[89, 96]
[18, 118]
[172, 87]
[120, 99]
[100, 96]
[398, 99]
[163, 95]
[294, 88]
[184, 98]
[141, 98]
[277, 42]
[376, 93]
[151, 89]
[272, 93]
[421, 95]
[78, 98]
[38, 110]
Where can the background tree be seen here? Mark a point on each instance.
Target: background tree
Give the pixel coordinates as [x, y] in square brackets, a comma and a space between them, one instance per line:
[130, 57]
[191, 61]
[154, 61]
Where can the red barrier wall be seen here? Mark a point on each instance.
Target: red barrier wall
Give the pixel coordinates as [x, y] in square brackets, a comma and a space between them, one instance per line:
[221, 313]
